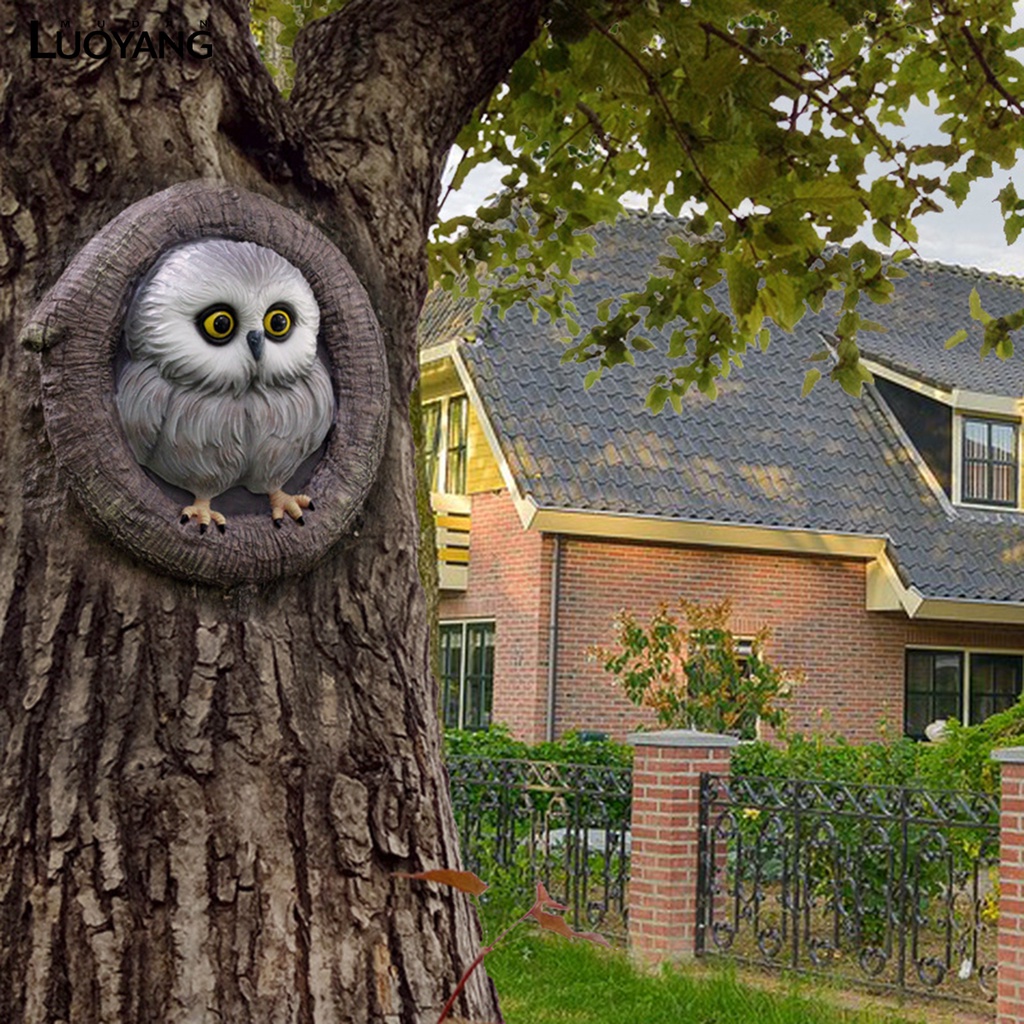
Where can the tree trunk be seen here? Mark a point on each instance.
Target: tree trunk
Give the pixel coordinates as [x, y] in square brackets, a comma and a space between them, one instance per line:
[204, 792]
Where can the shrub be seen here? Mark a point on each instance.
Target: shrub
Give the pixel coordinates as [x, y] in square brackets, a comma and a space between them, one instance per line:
[963, 760]
[495, 741]
[694, 677]
[891, 763]
[574, 747]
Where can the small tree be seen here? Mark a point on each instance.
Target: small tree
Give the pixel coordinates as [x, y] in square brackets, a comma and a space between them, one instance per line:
[696, 677]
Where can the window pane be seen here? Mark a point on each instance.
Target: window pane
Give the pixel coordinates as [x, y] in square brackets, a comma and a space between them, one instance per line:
[919, 671]
[995, 684]
[946, 706]
[975, 439]
[432, 441]
[1003, 482]
[918, 715]
[458, 414]
[451, 674]
[947, 673]
[933, 689]
[1004, 442]
[478, 691]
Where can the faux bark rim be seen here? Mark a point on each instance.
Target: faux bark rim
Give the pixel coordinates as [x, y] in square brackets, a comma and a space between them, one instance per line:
[77, 329]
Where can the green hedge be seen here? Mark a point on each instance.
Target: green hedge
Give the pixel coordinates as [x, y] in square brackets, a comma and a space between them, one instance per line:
[573, 748]
[961, 761]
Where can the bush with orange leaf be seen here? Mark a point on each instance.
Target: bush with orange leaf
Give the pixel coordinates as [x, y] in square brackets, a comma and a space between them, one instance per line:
[695, 676]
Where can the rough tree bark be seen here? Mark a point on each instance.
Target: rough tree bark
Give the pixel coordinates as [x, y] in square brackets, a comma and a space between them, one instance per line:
[203, 792]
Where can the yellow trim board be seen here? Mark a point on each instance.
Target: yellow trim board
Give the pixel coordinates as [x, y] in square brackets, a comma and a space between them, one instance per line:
[960, 399]
[696, 533]
[525, 509]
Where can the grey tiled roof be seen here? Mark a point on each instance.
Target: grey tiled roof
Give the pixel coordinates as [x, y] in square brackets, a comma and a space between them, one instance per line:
[760, 454]
[931, 303]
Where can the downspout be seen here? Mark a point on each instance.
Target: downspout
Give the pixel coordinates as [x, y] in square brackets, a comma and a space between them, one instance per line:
[556, 582]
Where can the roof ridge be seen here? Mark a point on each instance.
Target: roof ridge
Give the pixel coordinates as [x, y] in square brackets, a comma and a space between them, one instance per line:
[964, 270]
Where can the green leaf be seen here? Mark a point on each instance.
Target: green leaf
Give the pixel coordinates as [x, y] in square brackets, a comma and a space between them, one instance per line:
[977, 313]
[955, 339]
[810, 379]
[743, 281]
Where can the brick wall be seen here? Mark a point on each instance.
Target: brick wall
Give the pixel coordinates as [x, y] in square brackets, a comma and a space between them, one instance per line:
[851, 660]
[665, 818]
[509, 582]
[1010, 998]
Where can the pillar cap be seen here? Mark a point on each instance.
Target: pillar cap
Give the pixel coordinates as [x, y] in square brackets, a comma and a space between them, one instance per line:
[682, 738]
[1009, 755]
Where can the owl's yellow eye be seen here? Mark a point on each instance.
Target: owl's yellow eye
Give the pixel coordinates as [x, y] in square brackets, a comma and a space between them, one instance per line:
[277, 322]
[218, 324]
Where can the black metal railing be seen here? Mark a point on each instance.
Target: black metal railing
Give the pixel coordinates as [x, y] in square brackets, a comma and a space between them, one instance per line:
[892, 886]
[566, 825]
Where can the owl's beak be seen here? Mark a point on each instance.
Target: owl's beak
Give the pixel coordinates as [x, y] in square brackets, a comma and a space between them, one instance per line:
[255, 340]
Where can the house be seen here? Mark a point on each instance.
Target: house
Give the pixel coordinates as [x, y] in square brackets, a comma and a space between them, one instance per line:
[881, 538]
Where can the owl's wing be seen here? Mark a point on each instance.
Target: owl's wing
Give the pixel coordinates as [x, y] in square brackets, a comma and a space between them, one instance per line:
[143, 398]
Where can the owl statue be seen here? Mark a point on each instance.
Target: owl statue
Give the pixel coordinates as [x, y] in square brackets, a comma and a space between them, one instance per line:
[224, 385]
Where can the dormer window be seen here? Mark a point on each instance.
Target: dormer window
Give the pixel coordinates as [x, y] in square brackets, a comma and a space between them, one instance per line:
[989, 470]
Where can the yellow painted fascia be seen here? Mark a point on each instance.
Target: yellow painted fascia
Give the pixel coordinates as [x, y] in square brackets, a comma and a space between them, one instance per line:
[886, 592]
[911, 383]
[434, 354]
[525, 508]
[963, 610]
[698, 533]
[961, 400]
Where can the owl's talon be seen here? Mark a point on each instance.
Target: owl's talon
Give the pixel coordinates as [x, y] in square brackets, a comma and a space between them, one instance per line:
[293, 504]
[311, 507]
[205, 515]
[222, 527]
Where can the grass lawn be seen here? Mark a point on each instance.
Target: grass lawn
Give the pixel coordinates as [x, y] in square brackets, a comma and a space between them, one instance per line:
[548, 980]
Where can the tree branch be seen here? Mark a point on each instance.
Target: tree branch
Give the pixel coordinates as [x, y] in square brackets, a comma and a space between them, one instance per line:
[990, 75]
[255, 116]
[659, 95]
[383, 87]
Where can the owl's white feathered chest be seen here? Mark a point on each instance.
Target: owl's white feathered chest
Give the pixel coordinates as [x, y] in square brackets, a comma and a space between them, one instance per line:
[207, 443]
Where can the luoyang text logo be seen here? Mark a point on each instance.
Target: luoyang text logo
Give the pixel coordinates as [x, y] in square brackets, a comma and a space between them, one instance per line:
[126, 43]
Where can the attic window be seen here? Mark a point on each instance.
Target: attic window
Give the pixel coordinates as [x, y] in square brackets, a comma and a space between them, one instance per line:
[989, 474]
[445, 437]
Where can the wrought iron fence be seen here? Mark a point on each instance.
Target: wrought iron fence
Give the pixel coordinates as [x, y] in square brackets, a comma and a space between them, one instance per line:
[566, 825]
[892, 886]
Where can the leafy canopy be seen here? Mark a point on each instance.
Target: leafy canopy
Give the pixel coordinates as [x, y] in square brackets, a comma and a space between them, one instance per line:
[780, 130]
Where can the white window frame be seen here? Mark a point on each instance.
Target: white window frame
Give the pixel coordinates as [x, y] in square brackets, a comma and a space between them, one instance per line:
[960, 417]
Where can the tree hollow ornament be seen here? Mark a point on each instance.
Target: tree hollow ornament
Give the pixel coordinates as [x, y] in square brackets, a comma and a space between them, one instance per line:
[209, 359]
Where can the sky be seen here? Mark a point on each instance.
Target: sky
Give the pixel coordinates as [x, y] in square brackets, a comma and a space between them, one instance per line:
[971, 236]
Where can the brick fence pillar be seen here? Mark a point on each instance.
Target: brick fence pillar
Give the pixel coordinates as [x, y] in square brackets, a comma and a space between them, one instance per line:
[1010, 990]
[663, 864]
